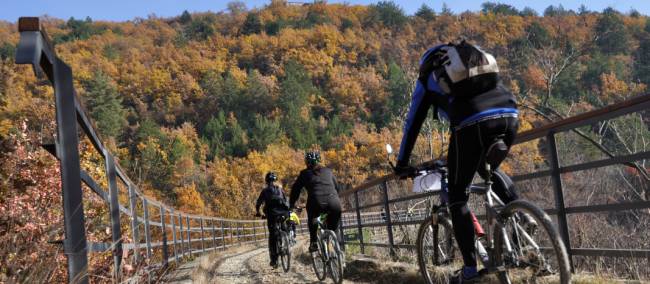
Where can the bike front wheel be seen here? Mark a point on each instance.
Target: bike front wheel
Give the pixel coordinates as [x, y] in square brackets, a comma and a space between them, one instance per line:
[318, 261]
[435, 247]
[285, 251]
[527, 241]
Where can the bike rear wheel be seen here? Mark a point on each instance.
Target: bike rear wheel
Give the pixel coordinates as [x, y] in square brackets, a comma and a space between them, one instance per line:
[318, 261]
[537, 254]
[285, 251]
[435, 247]
[335, 261]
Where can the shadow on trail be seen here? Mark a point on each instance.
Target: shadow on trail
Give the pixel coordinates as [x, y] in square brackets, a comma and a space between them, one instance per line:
[367, 270]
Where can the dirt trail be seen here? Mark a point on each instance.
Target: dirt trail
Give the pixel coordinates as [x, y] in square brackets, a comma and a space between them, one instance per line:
[251, 265]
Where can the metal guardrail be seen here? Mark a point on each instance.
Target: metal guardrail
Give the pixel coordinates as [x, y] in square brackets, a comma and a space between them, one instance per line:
[548, 131]
[190, 234]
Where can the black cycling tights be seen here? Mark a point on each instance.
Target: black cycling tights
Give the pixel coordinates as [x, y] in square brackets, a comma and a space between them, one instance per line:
[466, 152]
[323, 204]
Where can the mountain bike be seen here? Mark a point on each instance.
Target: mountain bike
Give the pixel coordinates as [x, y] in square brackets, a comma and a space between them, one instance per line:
[283, 242]
[507, 245]
[328, 259]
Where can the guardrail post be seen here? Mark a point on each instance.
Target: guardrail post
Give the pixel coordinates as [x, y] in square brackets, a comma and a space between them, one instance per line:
[115, 215]
[202, 244]
[147, 232]
[223, 234]
[189, 236]
[359, 229]
[135, 232]
[238, 235]
[214, 234]
[34, 48]
[180, 234]
[559, 194]
[389, 224]
[173, 219]
[165, 252]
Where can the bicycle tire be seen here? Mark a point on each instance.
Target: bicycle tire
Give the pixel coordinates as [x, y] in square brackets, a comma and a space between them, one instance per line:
[428, 228]
[335, 262]
[545, 223]
[318, 261]
[285, 251]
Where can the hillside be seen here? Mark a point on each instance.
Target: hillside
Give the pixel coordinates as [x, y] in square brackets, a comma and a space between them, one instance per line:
[198, 107]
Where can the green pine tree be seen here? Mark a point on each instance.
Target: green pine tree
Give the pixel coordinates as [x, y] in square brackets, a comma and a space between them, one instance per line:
[105, 105]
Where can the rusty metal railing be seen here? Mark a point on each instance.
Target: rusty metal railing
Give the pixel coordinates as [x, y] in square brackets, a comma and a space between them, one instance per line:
[182, 234]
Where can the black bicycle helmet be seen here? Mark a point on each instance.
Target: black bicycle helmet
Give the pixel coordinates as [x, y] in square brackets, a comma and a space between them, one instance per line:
[271, 177]
[312, 158]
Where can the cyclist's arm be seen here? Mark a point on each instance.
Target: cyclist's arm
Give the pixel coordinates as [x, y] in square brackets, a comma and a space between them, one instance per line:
[260, 200]
[336, 184]
[295, 190]
[420, 104]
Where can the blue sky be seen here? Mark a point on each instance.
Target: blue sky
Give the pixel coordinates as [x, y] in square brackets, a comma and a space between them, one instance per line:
[120, 10]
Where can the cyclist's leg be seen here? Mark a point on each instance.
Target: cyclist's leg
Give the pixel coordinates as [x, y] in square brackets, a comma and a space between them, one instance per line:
[313, 211]
[502, 184]
[334, 216]
[464, 154]
[273, 235]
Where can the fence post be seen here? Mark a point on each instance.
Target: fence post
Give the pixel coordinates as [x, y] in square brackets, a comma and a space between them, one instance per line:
[147, 232]
[180, 234]
[34, 48]
[223, 234]
[189, 236]
[254, 230]
[359, 229]
[389, 224]
[214, 234]
[202, 244]
[115, 215]
[165, 252]
[232, 233]
[559, 194]
[173, 218]
[135, 232]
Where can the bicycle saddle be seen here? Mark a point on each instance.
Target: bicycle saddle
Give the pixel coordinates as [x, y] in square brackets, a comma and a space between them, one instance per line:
[496, 152]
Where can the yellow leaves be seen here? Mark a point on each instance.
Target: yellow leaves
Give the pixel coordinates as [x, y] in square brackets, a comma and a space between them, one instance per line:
[612, 89]
[347, 92]
[326, 38]
[239, 75]
[189, 199]
[5, 126]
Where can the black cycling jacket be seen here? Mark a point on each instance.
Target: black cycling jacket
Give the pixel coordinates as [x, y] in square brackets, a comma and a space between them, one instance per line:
[319, 182]
[275, 203]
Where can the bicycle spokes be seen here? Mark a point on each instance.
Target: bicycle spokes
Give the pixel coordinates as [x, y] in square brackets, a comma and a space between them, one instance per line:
[529, 249]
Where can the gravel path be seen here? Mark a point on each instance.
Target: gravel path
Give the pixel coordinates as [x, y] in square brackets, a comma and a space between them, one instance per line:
[252, 266]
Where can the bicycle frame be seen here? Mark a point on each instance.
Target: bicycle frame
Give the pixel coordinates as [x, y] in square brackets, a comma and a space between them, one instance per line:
[492, 223]
[492, 202]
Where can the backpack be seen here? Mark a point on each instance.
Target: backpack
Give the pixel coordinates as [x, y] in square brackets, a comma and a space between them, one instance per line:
[461, 70]
[277, 204]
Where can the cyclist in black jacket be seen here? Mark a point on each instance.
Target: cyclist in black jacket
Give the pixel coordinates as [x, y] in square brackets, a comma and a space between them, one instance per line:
[275, 205]
[322, 195]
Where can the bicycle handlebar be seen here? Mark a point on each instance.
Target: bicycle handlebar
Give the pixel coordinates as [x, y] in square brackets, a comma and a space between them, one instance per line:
[431, 166]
